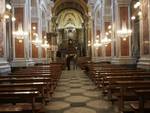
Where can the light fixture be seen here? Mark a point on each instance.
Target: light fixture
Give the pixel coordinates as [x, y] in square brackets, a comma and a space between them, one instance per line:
[139, 13]
[109, 27]
[37, 42]
[107, 33]
[89, 43]
[45, 45]
[105, 41]
[6, 16]
[8, 6]
[97, 43]
[7, 13]
[34, 28]
[97, 36]
[137, 5]
[124, 32]
[110, 31]
[20, 34]
[124, 39]
[13, 19]
[45, 37]
[133, 18]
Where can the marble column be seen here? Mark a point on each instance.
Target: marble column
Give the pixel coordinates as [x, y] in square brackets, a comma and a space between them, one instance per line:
[144, 61]
[92, 37]
[4, 64]
[85, 39]
[99, 31]
[27, 27]
[39, 8]
[21, 50]
[103, 56]
[89, 41]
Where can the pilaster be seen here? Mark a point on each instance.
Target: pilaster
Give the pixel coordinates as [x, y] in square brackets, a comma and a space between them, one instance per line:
[121, 48]
[144, 61]
[23, 48]
[4, 52]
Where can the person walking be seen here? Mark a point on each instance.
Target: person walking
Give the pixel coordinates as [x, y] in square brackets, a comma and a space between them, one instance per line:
[75, 59]
[58, 56]
[68, 59]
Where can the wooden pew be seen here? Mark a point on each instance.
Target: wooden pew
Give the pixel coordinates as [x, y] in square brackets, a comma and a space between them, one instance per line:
[30, 96]
[29, 83]
[100, 77]
[122, 76]
[116, 77]
[126, 90]
[143, 102]
[22, 91]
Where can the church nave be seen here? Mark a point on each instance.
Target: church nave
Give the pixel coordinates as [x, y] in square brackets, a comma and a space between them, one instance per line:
[76, 93]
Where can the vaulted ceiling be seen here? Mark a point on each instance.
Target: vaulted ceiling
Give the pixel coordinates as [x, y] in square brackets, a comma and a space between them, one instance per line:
[69, 19]
[78, 5]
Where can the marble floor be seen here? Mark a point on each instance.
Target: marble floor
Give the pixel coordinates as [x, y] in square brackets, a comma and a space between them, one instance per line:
[76, 93]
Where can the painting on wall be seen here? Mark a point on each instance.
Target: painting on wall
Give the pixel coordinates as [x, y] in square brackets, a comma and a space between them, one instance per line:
[1, 40]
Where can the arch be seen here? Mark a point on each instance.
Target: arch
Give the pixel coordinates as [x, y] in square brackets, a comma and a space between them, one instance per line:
[69, 17]
[78, 5]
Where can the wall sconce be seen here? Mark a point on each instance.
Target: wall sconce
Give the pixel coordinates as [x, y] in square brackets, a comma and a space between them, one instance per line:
[7, 14]
[138, 4]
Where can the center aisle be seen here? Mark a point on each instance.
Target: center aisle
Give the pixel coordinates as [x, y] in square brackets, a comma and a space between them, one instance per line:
[76, 93]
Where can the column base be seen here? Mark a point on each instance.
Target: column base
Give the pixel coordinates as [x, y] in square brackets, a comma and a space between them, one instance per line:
[42, 60]
[124, 61]
[144, 63]
[101, 59]
[22, 63]
[4, 66]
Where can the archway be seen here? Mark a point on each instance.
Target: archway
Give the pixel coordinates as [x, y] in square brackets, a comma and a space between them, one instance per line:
[70, 26]
[69, 22]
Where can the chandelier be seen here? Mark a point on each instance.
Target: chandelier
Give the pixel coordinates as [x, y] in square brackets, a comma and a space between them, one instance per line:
[89, 43]
[20, 34]
[124, 32]
[45, 45]
[105, 41]
[37, 42]
[97, 43]
[7, 14]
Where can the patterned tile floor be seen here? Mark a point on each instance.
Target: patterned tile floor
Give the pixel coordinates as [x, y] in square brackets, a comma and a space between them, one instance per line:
[76, 93]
